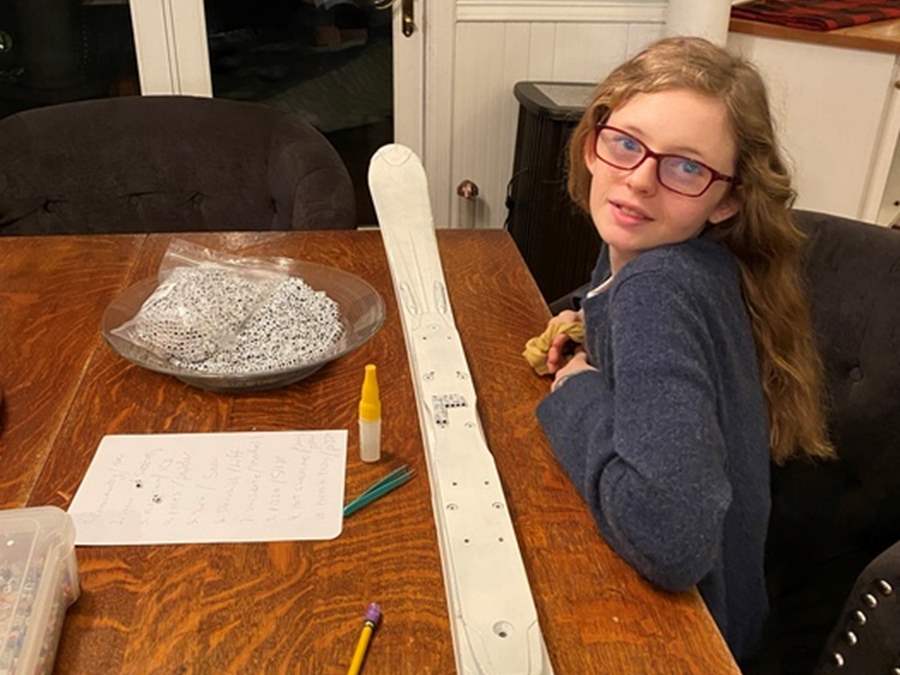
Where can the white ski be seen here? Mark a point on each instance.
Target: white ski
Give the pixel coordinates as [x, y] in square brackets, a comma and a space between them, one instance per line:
[492, 615]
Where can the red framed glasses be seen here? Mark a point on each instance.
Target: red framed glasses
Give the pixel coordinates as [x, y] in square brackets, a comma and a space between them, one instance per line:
[683, 175]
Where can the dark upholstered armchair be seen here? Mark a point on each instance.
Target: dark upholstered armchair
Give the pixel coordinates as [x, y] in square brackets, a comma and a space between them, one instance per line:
[168, 163]
[832, 520]
[834, 536]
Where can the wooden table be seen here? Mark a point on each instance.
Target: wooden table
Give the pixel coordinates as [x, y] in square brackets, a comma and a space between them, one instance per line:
[298, 606]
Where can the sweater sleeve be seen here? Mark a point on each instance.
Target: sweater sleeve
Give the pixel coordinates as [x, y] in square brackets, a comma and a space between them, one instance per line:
[648, 454]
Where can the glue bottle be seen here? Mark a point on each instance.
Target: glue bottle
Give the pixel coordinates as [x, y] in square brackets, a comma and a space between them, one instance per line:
[370, 418]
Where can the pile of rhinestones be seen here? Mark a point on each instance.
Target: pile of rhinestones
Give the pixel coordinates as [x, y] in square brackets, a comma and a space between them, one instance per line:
[218, 320]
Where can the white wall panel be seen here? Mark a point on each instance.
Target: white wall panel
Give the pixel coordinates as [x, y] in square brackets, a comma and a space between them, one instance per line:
[515, 69]
[490, 57]
[829, 106]
[587, 52]
[541, 55]
[573, 11]
[641, 35]
[478, 109]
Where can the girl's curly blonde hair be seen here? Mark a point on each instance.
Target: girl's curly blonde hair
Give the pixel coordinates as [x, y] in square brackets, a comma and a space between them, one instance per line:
[762, 235]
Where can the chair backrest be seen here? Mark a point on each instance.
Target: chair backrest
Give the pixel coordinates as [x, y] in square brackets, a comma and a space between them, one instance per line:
[829, 520]
[168, 163]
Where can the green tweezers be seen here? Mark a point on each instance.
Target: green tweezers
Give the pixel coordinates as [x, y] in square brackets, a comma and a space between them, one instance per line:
[376, 490]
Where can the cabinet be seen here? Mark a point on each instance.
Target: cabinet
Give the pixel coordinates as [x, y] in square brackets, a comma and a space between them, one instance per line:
[837, 114]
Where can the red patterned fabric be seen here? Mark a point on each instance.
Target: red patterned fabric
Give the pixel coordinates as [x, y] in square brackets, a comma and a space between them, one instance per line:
[818, 14]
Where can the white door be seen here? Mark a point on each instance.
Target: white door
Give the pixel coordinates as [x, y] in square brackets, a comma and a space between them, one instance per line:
[353, 68]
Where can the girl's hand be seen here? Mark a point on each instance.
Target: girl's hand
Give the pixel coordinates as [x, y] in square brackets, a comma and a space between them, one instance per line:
[558, 353]
[577, 364]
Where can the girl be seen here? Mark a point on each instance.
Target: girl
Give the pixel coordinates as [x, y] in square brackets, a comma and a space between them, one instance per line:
[698, 364]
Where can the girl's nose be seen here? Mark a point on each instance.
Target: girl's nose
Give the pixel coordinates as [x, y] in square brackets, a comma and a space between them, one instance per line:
[643, 178]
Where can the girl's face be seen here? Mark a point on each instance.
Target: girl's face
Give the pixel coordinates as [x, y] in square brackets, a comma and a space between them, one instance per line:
[630, 209]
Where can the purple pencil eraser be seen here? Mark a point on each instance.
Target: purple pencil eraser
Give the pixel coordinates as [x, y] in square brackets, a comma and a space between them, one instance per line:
[373, 613]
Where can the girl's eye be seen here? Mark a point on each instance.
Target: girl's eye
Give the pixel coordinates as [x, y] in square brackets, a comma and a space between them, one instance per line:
[629, 144]
[690, 167]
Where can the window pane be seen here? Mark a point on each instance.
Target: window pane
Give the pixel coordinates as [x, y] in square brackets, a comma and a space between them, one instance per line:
[329, 61]
[53, 51]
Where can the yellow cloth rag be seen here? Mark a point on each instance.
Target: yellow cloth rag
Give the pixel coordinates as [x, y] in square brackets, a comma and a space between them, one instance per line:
[537, 347]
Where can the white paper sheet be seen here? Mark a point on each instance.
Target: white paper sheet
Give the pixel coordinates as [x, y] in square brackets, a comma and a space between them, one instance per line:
[205, 488]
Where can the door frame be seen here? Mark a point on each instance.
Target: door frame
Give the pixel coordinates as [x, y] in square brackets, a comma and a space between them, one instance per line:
[439, 72]
[170, 46]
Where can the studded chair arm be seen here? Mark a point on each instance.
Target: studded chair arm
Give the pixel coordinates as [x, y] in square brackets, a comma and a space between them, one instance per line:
[866, 638]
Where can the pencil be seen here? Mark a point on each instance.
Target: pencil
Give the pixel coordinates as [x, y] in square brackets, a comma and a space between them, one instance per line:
[373, 614]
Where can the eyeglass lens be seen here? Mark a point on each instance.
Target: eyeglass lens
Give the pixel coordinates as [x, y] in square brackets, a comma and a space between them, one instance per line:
[677, 173]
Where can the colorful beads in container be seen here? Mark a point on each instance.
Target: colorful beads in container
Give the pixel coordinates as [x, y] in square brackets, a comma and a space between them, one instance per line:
[211, 319]
[38, 582]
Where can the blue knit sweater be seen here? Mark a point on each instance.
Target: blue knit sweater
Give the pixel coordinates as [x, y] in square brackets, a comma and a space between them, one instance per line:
[668, 442]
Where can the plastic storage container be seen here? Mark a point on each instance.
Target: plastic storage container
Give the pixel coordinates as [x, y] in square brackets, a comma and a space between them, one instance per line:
[38, 582]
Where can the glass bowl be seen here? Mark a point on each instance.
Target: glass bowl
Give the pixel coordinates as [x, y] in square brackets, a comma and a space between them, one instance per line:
[362, 314]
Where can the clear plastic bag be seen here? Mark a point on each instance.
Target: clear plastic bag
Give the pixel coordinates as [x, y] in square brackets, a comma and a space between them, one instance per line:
[219, 313]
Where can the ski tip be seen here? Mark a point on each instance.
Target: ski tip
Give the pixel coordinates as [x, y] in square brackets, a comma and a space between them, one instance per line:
[395, 154]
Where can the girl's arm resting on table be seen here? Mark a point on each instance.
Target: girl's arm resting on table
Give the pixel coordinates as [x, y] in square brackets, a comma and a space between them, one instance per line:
[649, 456]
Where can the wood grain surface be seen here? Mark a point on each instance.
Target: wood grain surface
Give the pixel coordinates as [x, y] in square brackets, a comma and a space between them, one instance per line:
[297, 607]
[878, 36]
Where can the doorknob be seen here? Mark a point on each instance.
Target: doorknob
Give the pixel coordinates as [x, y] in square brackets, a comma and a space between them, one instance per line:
[408, 25]
[467, 190]
[406, 19]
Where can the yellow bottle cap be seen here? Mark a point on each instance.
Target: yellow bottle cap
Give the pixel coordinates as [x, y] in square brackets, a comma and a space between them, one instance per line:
[370, 404]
